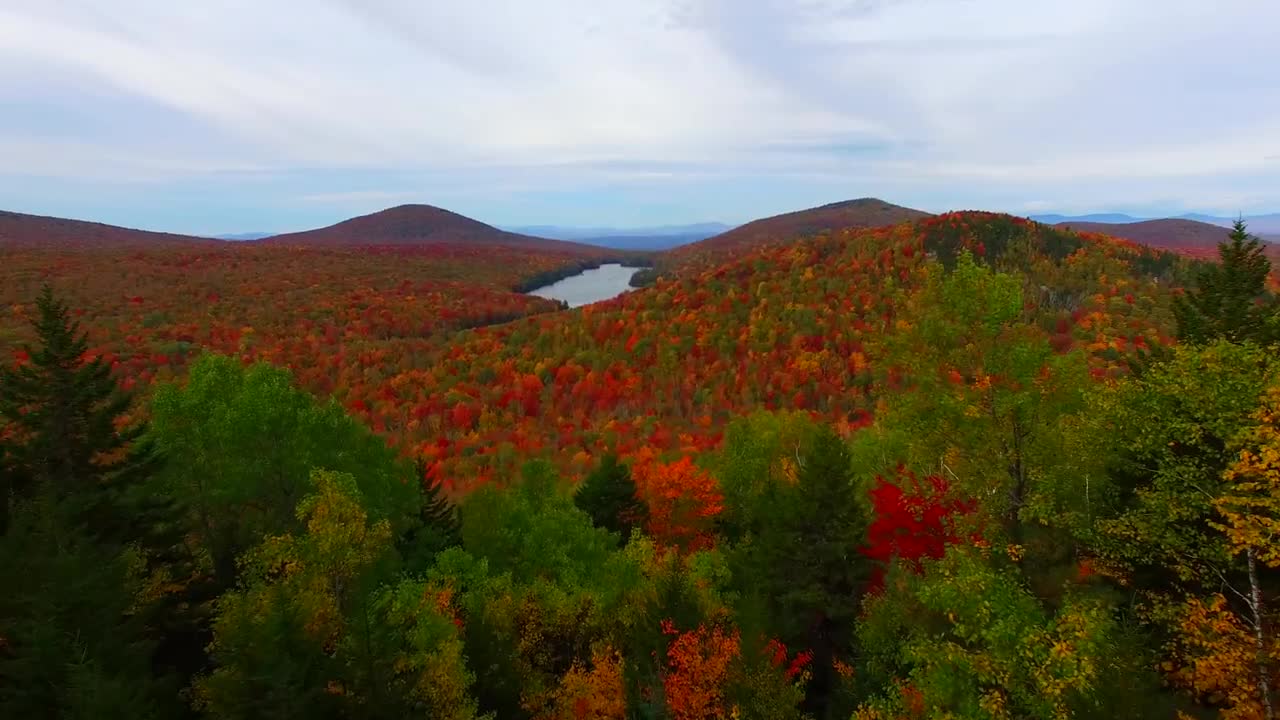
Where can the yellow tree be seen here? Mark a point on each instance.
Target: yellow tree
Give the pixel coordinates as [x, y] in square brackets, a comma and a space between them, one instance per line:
[1192, 443]
[313, 632]
[1250, 509]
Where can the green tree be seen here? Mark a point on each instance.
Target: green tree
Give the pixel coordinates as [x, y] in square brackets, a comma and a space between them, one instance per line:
[799, 568]
[1170, 437]
[1187, 441]
[1230, 299]
[985, 401]
[420, 647]
[73, 636]
[72, 644]
[533, 583]
[248, 439]
[437, 527]
[608, 497]
[62, 413]
[966, 640]
[759, 451]
[307, 634]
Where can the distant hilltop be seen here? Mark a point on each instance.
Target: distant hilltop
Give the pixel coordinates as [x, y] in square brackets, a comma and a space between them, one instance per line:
[1262, 225]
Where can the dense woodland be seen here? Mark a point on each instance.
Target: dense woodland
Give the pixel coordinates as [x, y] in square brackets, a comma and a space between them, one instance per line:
[968, 466]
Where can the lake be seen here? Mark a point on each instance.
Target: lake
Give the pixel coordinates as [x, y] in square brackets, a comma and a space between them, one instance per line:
[590, 286]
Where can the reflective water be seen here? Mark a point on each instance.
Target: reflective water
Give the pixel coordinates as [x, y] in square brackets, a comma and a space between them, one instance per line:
[589, 286]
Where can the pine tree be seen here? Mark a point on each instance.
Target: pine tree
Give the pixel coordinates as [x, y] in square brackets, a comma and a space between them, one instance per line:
[62, 412]
[73, 634]
[71, 642]
[6, 484]
[1231, 300]
[608, 496]
[437, 527]
[437, 511]
[803, 562]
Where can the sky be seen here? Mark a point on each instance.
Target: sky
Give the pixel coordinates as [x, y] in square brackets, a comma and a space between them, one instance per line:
[245, 115]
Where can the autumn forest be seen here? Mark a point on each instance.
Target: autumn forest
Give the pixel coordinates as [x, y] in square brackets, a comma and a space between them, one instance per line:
[915, 466]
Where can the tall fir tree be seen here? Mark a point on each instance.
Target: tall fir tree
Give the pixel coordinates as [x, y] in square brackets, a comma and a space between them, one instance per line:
[437, 511]
[437, 527]
[1231, 300]
[62, 412]
[803, 563]
[74, 641]
[608, 496]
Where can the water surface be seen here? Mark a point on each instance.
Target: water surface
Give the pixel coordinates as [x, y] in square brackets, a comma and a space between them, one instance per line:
[589, 286]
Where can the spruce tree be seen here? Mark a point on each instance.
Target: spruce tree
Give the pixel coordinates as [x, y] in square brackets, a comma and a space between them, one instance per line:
[802, 567]
[6, 483]
[74, 644]
[437, 511]
[608, 497]
[62, 412]
[1231, 300]
[437, 527]
[73, 636]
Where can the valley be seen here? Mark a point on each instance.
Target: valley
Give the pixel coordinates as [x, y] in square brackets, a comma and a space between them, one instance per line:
[913, 403]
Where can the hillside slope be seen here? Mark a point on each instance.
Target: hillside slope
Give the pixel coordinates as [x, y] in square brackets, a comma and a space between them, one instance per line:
[794, 326]
[1185, 237]
[860, 213]
[420, 225]
[22, 229]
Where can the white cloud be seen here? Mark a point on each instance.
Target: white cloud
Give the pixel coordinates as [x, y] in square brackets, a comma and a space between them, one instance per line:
[1075, 100]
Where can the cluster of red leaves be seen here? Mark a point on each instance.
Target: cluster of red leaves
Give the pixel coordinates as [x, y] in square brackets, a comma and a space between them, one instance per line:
[914, 519]
[326, 312]
[777, 653]
[683, 501]
[698, 663]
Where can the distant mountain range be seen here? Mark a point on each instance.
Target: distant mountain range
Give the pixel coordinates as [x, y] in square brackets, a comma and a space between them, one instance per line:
[564, 232]
[1264, 225]
[1194, 234]
[243, 236]
[661, 237]
[1181, 235]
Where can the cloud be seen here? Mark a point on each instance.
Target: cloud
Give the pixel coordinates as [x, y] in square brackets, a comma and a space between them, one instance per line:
[942, 102]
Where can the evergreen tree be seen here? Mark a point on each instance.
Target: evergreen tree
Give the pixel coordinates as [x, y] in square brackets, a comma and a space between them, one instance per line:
[437, 511]
[608, 496]
[71, 643]
[437, 529]
[804, 565]
[72, 631]
[6, 483]
[62, 411]
[1231, 300]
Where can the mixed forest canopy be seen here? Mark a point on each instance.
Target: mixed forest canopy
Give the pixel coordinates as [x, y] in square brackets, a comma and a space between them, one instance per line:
[963, 466]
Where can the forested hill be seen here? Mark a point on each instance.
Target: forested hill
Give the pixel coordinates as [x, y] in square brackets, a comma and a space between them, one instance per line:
[859, 213]
[20, 229]
[1185, 237]
[419, 225]
[799, 326]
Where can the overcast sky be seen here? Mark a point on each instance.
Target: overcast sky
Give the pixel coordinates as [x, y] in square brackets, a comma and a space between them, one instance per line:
[231, 115]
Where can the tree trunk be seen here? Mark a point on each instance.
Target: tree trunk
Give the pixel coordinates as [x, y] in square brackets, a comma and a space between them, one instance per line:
[1260, 646]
